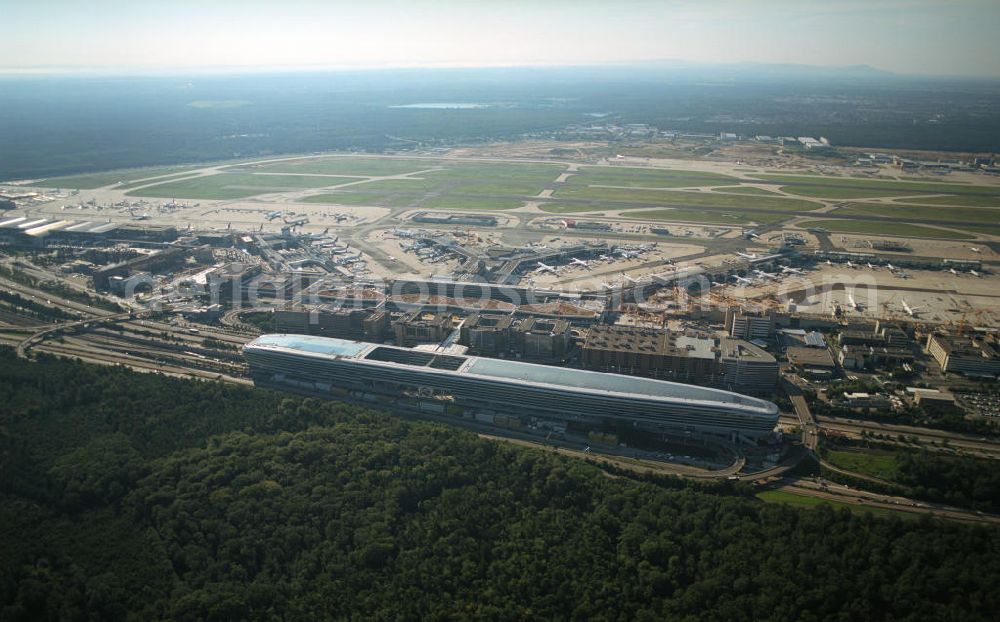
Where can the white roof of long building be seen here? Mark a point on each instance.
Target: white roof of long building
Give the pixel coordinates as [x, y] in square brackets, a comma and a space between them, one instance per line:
[527, 373]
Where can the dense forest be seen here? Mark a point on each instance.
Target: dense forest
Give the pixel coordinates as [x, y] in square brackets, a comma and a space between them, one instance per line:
[921, 473]
[131, 496]
[61, 124]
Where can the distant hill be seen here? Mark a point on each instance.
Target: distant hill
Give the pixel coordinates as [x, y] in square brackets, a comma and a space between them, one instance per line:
[773, 70]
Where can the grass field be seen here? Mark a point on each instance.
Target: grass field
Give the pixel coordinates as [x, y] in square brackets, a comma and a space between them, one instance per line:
[745, 190]
[832, 185]
[99, 180]
[230, 186]
[358, 167]
[475, 203]
[699, 216]
[994, 230]
[149, 182]
[802, 501]
[958, 215]
[711, 217]
[416, 185]
[877, 463]
[478, 186]
[964, 200]
[824, 192]
[653, 198]
[364, 198]
[648, 178]
[931, 181]
[878, 227]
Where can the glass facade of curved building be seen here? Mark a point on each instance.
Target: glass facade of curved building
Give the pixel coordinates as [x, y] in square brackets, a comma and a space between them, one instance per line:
[464, 385]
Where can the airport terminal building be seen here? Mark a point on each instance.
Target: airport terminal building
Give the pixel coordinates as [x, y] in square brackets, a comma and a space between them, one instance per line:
[471, 386]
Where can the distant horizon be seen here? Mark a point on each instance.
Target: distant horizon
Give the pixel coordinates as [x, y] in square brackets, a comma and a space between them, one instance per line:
[939, 38]
[663, 64]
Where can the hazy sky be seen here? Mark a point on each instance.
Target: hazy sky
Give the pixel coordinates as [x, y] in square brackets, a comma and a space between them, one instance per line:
[907, 36]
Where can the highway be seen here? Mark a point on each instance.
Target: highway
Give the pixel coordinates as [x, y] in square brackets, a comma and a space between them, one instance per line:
[148, 345]
[845, 494]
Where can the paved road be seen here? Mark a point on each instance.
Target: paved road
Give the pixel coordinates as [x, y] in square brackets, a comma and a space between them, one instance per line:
[38, 337]
[845, 494]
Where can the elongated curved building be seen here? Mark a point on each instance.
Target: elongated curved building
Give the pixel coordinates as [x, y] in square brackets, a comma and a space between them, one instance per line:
[475, 385]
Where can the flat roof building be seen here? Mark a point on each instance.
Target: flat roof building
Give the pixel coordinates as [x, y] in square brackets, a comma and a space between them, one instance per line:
[747, 368]
[423, 326]
[964, 355]
[813, 361]
[467, 386]
[487, 333]
[650, 352]
[749, 324]
[542, 339]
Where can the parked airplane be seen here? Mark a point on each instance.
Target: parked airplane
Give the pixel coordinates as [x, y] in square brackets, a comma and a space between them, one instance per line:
[546, 268]
[953, 271]
[764, 275]
[853, 303]
[849, 264]
[973, 273]
[911, 311]
[747, 255]
[974, 249]
[580, 262]
[891, 267]
[871, 267]
[788, 270]
[742, 280]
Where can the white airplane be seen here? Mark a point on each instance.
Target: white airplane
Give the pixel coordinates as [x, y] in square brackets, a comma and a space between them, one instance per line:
[764, 275]
[973, 273]
[870, 266]
[849, 264]
[742, 280]
[545, 268]
[607, 258]
[788, 270]
[953, 271]
[911, 311]
[891, 267]
[580, 262]
[853, 303]
[829, 263]
[975, 249]
[747, 255]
